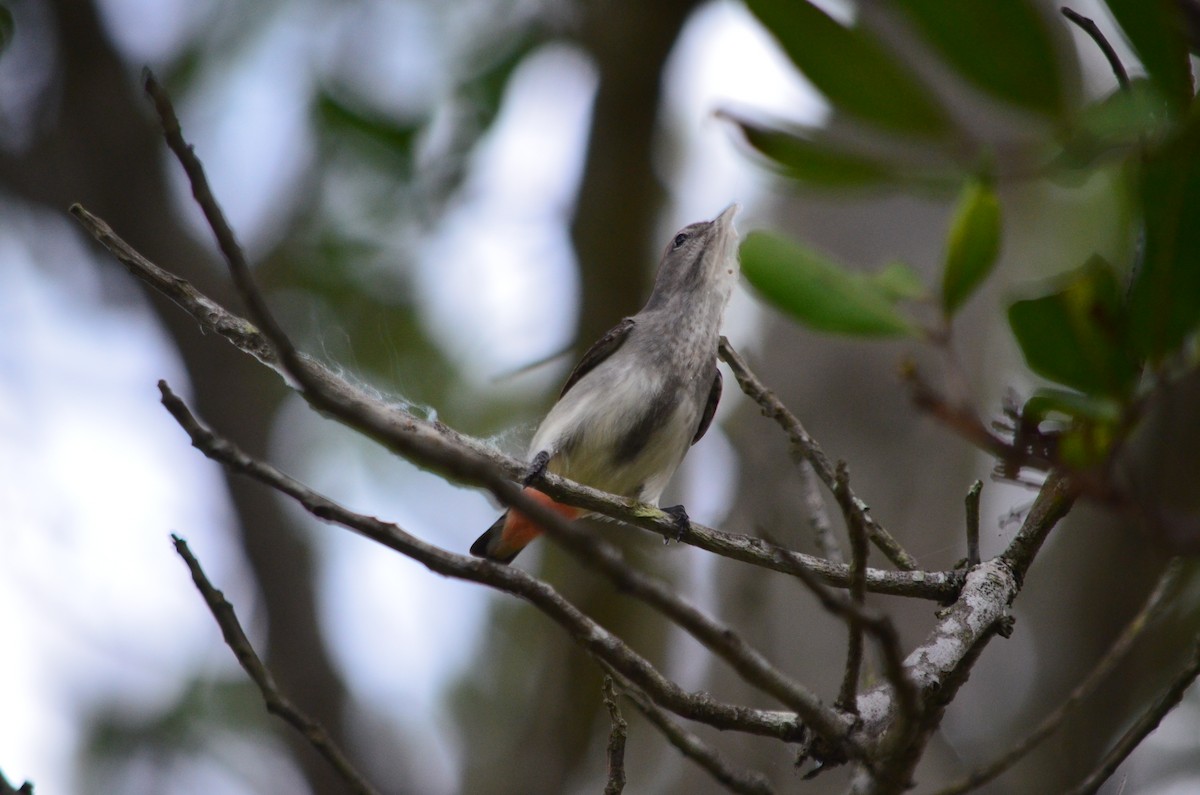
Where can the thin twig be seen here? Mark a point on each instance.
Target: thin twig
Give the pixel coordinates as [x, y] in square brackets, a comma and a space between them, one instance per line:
[587, 633]
[848, 696]
[618, 733]
[1090, 28]
[896, 707]
[972, 503]
[818, 516]
[1117, 652]
[277, 703]
[397, 429]
[748, 782]
[1146, 723]
[1053, 502]
[773, 408]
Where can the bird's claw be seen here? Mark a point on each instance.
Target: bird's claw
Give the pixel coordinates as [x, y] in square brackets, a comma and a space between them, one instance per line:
[537, 468]
[679, 517]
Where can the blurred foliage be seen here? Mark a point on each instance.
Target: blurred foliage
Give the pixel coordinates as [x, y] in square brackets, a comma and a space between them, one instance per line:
[972, 244]
[1077, 335]
[852, 68]
[823, 294]
[204, 710]
[1018, 62]
[1106, 334]
[384, 179]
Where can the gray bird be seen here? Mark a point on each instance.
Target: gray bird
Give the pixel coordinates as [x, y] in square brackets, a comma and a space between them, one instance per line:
[643, 394]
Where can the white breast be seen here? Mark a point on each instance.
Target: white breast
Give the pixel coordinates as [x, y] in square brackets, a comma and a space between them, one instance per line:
[597, 414]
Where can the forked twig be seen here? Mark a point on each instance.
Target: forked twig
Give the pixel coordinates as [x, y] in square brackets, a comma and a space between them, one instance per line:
[807, 446]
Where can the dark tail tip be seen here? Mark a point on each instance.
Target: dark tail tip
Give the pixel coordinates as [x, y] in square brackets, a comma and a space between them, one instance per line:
[490, 545]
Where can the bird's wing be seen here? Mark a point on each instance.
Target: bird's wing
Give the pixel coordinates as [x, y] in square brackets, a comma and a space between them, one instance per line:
[603, 348]
[710, 408]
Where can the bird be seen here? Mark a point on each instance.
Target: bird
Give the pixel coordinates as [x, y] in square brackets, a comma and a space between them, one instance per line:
[642, 395]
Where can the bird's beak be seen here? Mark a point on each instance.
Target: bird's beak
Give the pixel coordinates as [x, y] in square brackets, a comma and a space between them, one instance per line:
[726, 216]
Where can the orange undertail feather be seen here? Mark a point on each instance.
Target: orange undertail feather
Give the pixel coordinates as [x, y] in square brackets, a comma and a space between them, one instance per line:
[513, 531]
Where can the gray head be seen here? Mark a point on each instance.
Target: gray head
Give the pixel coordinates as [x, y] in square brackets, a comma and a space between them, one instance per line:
[700, 262]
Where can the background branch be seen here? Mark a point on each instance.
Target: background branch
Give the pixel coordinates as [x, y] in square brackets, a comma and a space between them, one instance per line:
[972, 509]
[748, 782]
[615, 752]
[1145, 724]
[848, 695]
[773, 408]
[277, 703]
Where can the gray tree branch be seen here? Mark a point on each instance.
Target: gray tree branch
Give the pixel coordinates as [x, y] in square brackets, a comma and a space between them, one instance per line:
[276, 702]
[590, 635]
[388, 423]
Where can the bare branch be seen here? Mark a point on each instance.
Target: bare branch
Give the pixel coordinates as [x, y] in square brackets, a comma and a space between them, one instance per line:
[1053, 502]
[773, 408]
[972, 503]
[277, 703]
[1090, 28]
[1117, 652]
[397, 429]
[591, 636]
[818, 517]
[1141, 729]
[848, 696]
[616, 742]
[749, 782]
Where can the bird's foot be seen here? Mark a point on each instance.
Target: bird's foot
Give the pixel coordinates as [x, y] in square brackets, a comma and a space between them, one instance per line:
[537, 468]
[680, 518]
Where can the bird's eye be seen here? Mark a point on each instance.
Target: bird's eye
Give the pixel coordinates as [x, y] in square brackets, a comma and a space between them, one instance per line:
[680, 239]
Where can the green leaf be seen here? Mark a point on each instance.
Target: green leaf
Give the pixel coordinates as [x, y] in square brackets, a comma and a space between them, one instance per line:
[1076, 336]
[852, 68]
[1072, 405]
[6, 27]
[1000, 46]
[1125, 120]
[1127, 115]
[818, 292]
[1091, 424]
[1155, 28]
[972, 245]
[898, 281]
[1165, 295]
[807, 157]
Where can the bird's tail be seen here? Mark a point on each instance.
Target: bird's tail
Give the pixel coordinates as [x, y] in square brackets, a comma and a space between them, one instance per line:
[513, 531]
